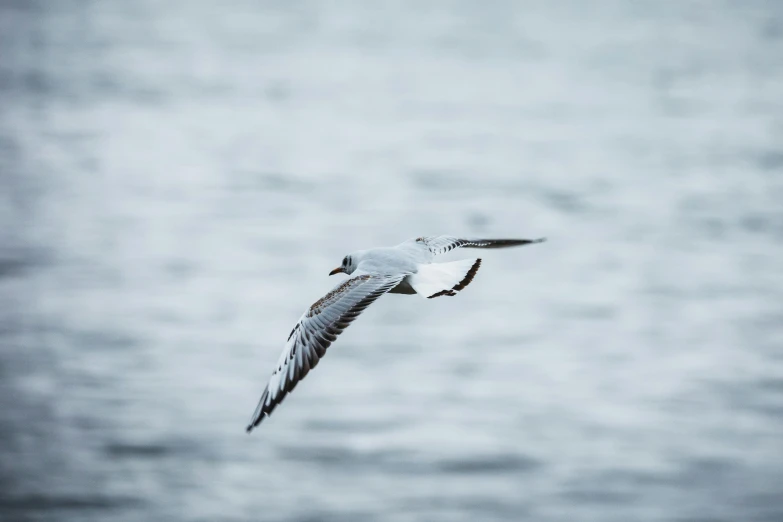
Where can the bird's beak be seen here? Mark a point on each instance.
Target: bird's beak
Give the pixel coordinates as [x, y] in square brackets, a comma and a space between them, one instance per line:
[337, 270]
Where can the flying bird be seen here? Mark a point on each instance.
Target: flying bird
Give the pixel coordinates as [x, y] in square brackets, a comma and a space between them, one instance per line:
[407, 268]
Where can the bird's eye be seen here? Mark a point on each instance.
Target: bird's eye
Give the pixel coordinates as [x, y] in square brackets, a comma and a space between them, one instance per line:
[345, 261]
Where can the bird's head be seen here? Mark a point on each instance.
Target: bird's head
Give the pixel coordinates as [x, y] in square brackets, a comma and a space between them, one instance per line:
[348, 266]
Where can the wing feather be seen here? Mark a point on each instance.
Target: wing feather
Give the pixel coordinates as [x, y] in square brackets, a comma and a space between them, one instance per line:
[318, 328]
[441, 244]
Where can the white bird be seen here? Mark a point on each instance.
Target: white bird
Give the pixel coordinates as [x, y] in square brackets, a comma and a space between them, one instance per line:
[407, 268]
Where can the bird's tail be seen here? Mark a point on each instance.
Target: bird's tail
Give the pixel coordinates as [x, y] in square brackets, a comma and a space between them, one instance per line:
[436, 279]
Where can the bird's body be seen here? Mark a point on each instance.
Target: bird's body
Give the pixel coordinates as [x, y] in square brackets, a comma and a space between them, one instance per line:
[389, 260]
[407, 268]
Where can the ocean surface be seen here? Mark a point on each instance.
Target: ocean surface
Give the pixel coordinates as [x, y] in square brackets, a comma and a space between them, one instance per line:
[177, 179]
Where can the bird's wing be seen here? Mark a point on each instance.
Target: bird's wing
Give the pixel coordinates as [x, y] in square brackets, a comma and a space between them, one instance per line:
[316, 330]
[441, 244]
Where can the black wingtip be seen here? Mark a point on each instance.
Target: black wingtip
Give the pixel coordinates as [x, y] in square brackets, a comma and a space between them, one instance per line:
[503, 243]
[254, 423]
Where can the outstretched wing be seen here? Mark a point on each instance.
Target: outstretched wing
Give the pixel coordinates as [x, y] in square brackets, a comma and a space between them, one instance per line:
[316, 330]
[442, 244]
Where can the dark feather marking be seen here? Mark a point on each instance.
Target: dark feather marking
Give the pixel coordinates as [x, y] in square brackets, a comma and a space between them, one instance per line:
[469, 276]
[442, 292]
[293, 331]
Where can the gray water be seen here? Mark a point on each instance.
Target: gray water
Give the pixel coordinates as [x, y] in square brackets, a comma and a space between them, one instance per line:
[179, 177]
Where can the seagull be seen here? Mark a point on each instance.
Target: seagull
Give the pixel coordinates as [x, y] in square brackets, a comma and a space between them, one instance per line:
[407, 268]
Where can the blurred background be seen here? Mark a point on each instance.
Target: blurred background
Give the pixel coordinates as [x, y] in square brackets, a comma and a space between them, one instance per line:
[179, 177]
